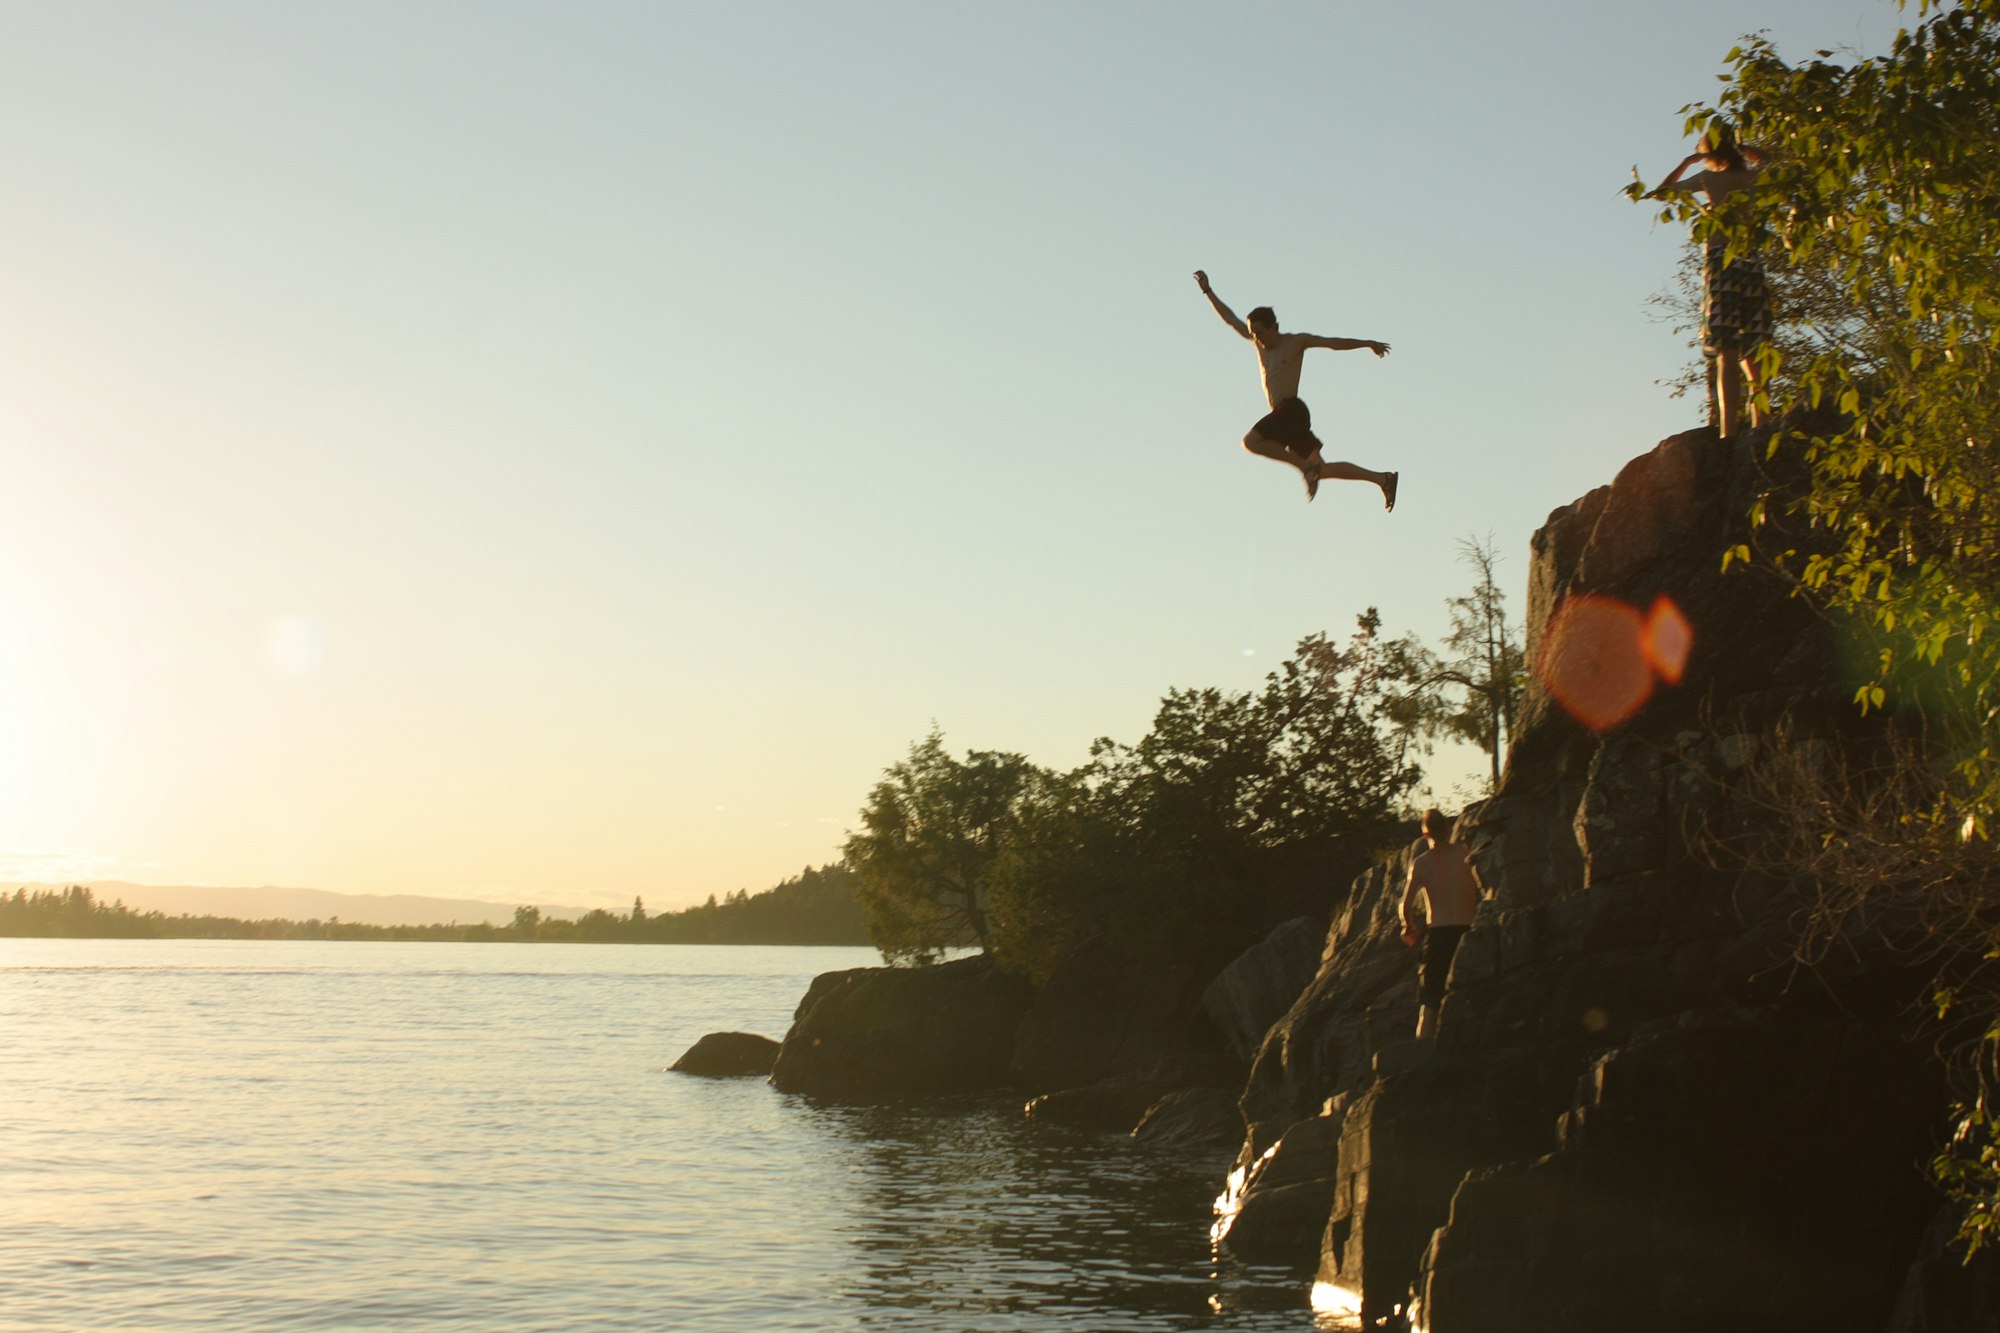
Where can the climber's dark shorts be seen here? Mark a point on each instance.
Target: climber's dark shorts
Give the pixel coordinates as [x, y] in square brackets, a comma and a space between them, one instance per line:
[1440, 943]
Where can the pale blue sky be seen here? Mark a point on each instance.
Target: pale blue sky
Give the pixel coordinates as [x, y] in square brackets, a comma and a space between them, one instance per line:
[563, 452]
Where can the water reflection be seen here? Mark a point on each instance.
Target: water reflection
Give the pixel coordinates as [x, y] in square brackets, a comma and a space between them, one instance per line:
[1336, 1307]
[967, 1215]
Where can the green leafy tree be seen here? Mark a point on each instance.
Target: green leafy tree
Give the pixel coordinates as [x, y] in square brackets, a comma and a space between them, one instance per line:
[1172, 844]
[1074, 859]
[1327, 746]
[1883, 195]
[930, 834]
[1885, 182]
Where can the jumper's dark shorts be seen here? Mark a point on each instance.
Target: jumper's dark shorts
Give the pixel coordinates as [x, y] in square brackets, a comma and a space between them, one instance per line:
[1440, 943]
[1289, 424]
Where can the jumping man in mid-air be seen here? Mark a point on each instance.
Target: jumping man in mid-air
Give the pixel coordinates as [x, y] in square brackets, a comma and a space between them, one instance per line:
[1285, 434]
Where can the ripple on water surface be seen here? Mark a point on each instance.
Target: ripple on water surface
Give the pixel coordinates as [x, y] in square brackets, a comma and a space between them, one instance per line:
[263, 1135]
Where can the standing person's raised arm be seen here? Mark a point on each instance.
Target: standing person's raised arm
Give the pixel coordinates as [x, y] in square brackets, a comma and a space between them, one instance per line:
[1347, 344]
[1673, 180]
[1228, 315]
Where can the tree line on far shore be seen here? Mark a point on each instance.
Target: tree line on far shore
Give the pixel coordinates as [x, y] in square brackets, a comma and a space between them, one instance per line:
[817, 906]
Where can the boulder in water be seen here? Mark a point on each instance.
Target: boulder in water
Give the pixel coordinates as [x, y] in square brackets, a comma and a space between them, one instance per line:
[881, 1033]
[728, 1055]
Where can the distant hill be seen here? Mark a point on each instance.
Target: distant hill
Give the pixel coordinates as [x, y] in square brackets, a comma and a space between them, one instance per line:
[269, 901]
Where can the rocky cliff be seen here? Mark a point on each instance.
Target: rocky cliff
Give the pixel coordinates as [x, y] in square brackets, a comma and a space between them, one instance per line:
[1639, 1113]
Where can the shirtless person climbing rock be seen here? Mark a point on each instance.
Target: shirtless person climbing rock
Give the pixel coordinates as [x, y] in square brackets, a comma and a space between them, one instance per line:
[1285, 434]
[1442, 879]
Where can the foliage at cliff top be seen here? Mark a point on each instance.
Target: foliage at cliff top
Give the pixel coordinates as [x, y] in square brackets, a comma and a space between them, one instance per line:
[1883, 189]
[1884, 179]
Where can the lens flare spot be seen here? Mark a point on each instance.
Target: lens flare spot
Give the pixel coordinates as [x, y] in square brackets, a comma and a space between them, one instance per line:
[1669, 640]
[1593, 662]
[295, 646]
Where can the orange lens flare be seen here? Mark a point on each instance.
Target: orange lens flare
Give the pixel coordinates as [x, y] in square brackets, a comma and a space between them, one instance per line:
[1601, 657]
[1669, 639]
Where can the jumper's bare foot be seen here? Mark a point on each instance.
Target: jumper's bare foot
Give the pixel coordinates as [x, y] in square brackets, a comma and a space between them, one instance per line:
[1310, 470]
[1389, 491]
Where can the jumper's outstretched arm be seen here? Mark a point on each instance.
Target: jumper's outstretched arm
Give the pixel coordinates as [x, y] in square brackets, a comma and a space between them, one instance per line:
[1347, 344]
[1228, 315]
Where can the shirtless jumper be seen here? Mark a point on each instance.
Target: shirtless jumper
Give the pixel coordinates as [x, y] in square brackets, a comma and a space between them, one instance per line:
[1285, 433]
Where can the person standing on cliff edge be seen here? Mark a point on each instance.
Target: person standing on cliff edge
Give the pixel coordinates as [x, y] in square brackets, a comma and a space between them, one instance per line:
[1735, 298]
[1284, 435]
[1442, 876]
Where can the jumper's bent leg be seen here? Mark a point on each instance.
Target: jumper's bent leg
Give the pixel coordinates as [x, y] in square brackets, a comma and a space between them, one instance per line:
[1264, 447]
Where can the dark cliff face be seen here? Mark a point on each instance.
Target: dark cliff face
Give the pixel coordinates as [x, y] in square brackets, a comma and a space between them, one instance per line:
[1638, 1114]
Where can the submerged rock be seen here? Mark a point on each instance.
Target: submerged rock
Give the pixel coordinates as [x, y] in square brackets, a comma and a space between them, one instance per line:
[1120, 1102]
[1192, 1118]
[1113, 1104]
[728, 1055]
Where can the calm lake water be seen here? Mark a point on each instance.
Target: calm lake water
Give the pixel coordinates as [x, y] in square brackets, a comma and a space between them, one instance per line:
[274, 1135]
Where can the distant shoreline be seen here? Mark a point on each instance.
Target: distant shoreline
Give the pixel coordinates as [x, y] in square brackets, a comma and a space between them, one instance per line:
[393, 935]
[814, 908]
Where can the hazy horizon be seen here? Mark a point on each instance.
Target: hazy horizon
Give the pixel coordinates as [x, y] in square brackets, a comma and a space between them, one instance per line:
[297, 902]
